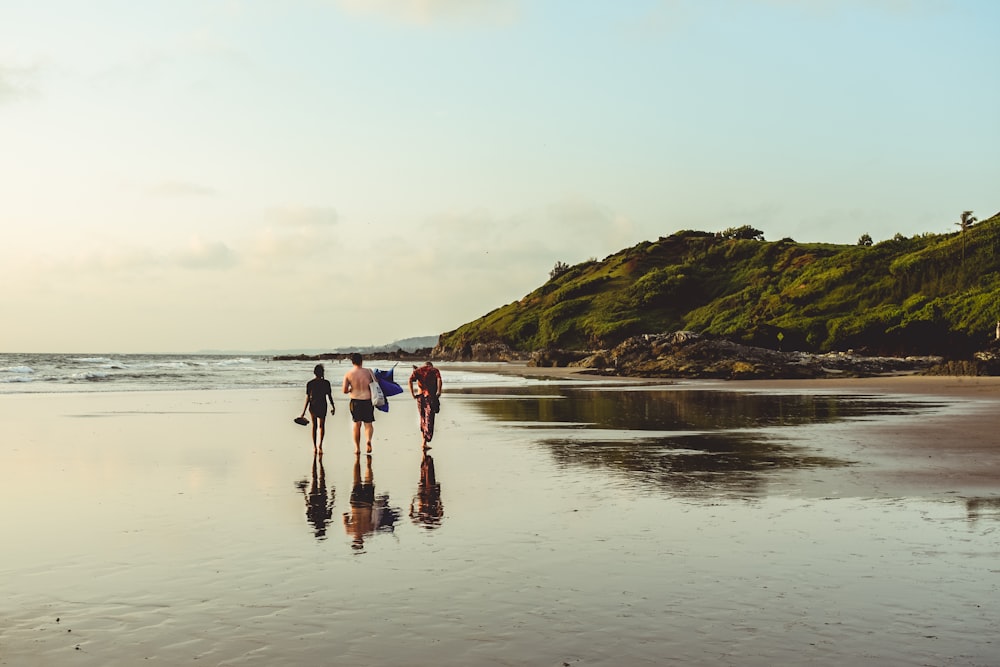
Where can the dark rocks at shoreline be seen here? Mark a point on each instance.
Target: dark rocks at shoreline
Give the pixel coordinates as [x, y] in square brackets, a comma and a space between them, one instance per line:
[685, 354]
[391, 355]
[477, 352]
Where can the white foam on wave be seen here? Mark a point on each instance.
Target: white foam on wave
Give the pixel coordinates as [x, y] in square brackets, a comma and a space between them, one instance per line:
[94, 360]
[235, 362]
[170, 364]
[90, 375]
[23, 370]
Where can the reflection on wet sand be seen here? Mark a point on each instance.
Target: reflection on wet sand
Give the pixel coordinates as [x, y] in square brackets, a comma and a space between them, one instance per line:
[717, 463]
[982, 508]
[683, 409]
[369, 513]
[319, 504]
[426, 508]
[717, 446]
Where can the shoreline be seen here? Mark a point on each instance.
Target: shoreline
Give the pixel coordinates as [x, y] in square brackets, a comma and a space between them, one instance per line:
[962, 386]
[955, 447]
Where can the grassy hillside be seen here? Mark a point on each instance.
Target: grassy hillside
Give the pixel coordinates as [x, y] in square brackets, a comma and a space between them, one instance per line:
[930, 294]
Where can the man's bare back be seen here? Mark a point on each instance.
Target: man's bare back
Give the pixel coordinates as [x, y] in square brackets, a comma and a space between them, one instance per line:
[357, 383]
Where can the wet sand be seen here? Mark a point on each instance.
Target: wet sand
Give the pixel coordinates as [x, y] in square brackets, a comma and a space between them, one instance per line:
[956, 451]
[178, 527]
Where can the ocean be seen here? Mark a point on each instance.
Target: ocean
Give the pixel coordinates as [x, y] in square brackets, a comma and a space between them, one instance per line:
[50, 373]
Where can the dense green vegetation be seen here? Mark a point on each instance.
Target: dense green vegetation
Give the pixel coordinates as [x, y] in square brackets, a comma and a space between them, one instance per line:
[929, 294]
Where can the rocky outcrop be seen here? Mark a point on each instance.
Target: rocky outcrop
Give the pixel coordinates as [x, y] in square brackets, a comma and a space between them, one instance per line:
[684, 354]
[397, 355]
[477, 352]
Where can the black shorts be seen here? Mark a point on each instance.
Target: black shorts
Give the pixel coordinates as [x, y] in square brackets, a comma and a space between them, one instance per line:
[362, 410]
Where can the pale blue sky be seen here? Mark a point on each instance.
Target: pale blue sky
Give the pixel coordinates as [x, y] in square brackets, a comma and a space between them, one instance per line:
[249, 174]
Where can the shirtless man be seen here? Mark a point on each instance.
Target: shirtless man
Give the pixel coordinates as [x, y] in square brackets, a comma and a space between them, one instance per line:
[357, 383]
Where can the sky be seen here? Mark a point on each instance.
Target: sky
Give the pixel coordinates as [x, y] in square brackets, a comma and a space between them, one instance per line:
[185, 175]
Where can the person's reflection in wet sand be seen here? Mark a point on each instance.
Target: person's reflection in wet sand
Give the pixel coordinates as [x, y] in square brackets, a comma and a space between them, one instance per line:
[426, 508]
[358, 522]
[368, 514]
[319, 504]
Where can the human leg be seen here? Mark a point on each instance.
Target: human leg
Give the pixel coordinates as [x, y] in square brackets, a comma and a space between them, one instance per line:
[356, 434]
[426, 410]
[322, 432]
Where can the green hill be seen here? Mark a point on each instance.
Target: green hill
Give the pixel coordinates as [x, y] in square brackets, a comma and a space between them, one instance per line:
[929, 294]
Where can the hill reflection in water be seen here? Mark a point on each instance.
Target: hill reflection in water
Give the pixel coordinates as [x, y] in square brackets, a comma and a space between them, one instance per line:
[686, 441]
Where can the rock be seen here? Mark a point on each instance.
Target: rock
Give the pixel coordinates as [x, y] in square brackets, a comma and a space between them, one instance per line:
[688, 355]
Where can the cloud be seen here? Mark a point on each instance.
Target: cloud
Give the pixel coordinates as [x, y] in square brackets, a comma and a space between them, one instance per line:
[200, 254]
[586, 225]
[304, 216]
[182, 189]
[17, 82]
[425, 12]
[126, 261]
[899, 6]
[291, 235]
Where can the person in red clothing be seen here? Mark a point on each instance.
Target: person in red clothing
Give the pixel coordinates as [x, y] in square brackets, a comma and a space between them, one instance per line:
[428, 395]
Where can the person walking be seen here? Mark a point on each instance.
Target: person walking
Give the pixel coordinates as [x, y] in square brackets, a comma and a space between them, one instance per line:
[317, 391]
[357, 384]
[428, 395]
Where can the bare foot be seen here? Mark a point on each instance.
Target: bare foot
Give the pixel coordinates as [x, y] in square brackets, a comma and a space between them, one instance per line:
[369, 447]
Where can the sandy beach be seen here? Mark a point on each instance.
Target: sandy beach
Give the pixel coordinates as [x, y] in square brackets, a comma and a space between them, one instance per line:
[184, 527]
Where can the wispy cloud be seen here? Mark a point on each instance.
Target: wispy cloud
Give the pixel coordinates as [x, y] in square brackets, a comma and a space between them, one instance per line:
[585, 223]
[304, 216]
[182, 189]
[17, 82]
[126, 260]
[827, 6]
[201, 254]
[426, 12]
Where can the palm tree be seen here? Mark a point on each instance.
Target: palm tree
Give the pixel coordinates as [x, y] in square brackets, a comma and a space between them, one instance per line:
[967, 221]
[964, 223]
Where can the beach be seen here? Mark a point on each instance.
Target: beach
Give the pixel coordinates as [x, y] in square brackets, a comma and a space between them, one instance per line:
[174, 527]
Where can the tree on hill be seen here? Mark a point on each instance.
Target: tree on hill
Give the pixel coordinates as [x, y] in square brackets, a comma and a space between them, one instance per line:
[966, 221]
[557, 270]
[865, 240]
[746, 232]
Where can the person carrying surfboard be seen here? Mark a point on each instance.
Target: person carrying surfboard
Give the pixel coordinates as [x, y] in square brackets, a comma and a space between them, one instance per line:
[357, 384]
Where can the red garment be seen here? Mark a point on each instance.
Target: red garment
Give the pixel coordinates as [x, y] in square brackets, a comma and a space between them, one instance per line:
[427, 378]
